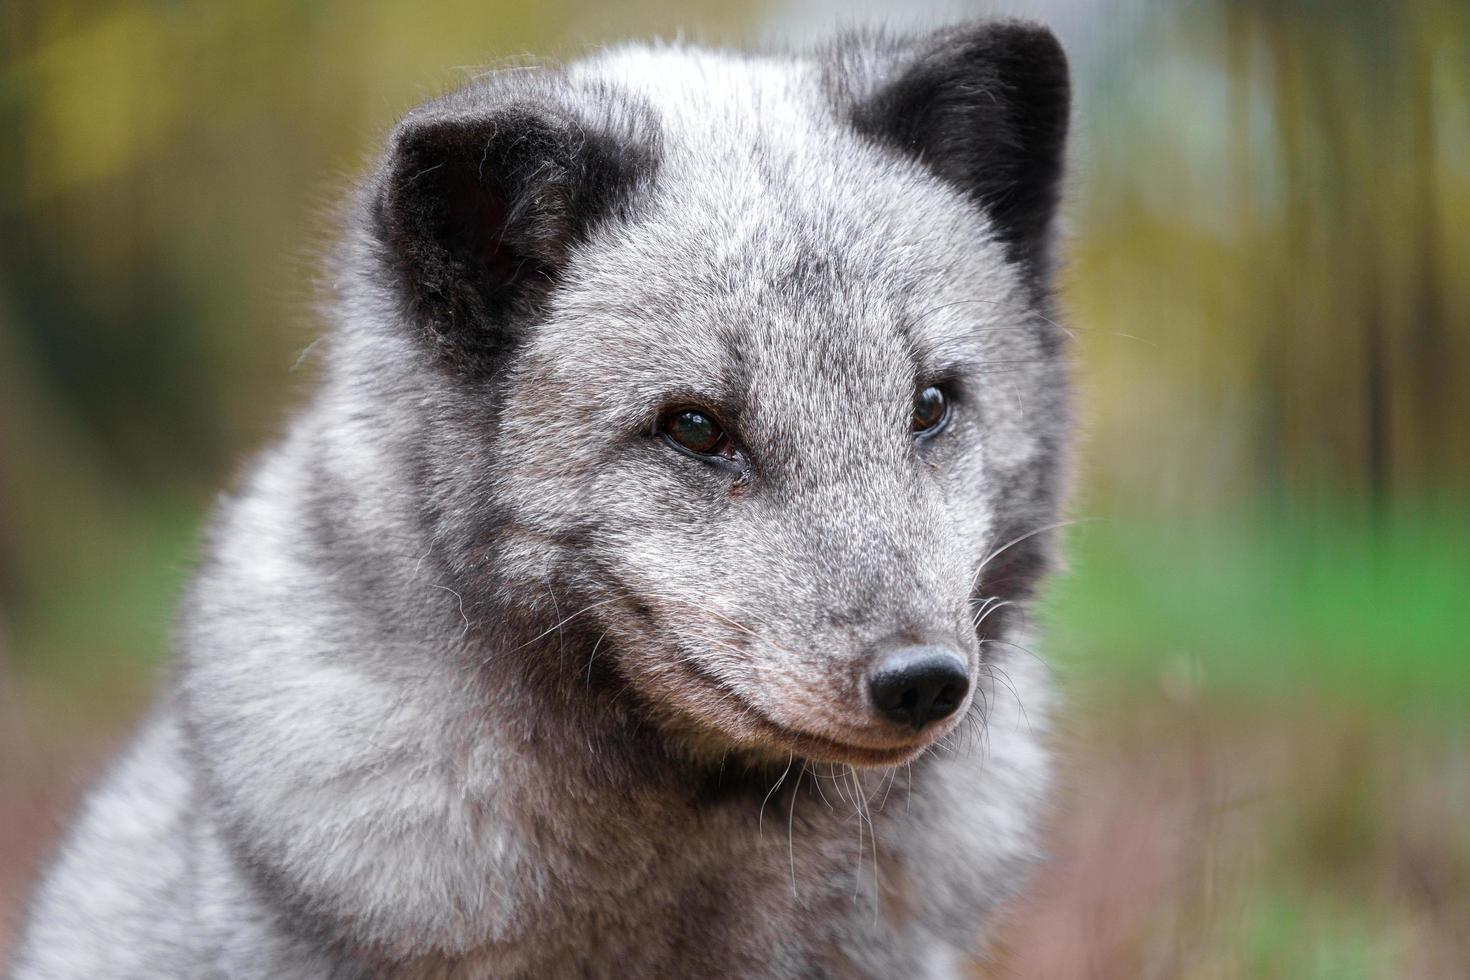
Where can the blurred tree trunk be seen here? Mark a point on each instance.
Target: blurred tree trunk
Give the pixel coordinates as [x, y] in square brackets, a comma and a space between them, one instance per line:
[1426, 350]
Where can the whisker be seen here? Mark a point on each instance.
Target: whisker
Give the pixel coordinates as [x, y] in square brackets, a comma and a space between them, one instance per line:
[1017, 646]
[462, 615]
[561, 636]
[1005, 678]
[760, 817]
[892, 775]
[593, 657]
[857, 876]
[985, 562]
[791, 832]
[561, 622]
[817, 782]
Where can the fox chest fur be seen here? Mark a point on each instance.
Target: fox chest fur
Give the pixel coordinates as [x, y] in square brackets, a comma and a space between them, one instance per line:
[642, 591]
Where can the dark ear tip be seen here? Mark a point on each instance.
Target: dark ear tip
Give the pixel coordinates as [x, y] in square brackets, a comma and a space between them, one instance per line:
[1028, 34]
[411, 150]
[424, 134]
[419, 144]
[1032, 57]
[1024, 44]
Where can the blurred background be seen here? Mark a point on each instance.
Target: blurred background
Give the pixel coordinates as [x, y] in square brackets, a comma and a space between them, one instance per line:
[1263, 631]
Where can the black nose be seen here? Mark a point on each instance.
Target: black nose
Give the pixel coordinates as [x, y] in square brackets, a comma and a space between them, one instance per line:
[917, 685]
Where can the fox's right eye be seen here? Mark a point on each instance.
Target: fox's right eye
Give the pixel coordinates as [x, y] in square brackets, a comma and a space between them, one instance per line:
[696, 432]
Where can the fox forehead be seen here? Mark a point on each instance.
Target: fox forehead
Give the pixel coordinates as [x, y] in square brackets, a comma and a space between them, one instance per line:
[882, 277]
[710, 94]
[763, 197]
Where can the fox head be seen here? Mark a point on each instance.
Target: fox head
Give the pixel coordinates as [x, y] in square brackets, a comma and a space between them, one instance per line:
[748, 403]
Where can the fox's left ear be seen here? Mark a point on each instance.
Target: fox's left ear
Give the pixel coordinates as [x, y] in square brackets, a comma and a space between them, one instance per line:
[984, 106]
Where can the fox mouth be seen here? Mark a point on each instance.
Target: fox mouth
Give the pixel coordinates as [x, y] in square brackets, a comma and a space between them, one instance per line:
[821, 748]
[749, 725]
[712, 717]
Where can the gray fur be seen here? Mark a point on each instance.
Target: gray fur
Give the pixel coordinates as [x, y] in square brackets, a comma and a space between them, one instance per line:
[479, 679]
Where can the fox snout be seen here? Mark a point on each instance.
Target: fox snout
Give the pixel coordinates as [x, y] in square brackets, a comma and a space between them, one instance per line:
[918, 685]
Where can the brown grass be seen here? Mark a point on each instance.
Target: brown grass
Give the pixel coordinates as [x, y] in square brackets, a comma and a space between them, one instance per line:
[1215, 840]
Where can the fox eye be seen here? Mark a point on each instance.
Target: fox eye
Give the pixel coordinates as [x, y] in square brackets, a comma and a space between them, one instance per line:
[931, 411]
[695, 431]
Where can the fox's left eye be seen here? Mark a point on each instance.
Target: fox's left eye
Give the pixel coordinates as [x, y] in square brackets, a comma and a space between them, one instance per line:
[931, 411]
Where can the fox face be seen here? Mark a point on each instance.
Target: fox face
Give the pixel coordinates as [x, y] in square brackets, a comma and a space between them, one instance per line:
[750, 404]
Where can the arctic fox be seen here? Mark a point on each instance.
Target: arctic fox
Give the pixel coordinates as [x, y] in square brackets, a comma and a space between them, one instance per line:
[637, 595]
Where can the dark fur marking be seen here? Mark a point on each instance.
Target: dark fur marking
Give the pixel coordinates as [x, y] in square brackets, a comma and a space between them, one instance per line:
[481, 206]
[986, 109]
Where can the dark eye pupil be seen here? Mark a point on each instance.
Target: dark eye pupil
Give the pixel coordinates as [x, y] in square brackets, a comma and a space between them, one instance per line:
[929, 409]
[695, 431]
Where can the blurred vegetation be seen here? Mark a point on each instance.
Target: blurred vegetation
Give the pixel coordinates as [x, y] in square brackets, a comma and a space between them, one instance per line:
[1271, 226]
[1276, 203]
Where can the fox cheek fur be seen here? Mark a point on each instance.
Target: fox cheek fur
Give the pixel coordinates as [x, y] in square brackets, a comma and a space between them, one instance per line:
[691, 424]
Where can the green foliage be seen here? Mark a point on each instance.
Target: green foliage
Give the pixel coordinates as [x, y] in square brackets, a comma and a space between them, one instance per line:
[1273, 606]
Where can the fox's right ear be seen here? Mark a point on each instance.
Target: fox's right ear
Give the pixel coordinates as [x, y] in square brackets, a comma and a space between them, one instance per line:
[481, 199]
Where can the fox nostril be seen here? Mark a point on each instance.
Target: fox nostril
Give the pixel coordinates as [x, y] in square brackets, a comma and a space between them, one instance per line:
[918, 684]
